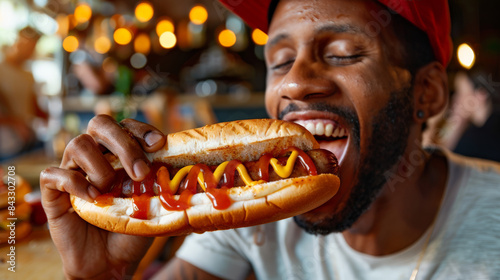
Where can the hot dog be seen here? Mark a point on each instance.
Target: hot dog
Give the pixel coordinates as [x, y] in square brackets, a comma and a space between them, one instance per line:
[222, 176]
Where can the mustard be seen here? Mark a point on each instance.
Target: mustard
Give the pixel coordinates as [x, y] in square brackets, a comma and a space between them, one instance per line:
[282, 171]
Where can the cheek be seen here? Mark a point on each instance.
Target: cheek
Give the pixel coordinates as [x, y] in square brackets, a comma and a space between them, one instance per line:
[271, 100]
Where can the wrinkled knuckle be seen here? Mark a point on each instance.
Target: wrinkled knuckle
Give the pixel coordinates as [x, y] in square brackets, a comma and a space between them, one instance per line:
[45, 176]
[127, 121]
[83, 141]
[99, 121]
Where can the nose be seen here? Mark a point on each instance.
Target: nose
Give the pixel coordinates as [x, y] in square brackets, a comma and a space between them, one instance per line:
[306, 80]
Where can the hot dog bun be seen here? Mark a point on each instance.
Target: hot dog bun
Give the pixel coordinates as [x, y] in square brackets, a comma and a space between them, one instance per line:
[244, 140]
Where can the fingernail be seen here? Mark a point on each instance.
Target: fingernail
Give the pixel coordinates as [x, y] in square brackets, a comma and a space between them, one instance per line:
[93, 192]
[141, 169]
[152, 138]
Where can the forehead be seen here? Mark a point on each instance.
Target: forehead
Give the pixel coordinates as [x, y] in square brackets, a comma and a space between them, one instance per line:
[353, 15]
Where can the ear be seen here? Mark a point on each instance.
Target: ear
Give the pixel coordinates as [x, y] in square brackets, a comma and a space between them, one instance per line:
[430, 91]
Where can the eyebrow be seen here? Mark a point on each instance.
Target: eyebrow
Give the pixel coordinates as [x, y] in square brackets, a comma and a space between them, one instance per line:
[327, 28]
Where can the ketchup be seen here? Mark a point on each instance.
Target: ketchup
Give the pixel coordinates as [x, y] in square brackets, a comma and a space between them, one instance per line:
[141, 206]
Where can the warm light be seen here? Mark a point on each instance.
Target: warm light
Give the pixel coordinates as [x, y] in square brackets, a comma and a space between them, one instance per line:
[259, 37]
[466, 56]
[70, 44]
[163, 26]
[198, 15]
[227, 38]
[83, 13]
[122, 36]
[168, 40]
[142, 43]
[144, 12]
[102, 45]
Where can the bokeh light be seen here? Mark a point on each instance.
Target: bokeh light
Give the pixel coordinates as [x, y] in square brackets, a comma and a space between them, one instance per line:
[259, 37]
[138, 60]
[70, 44]
[163, 26]
[144, 12]
[168, 40]
[142, 43]
[102, 45]
[83, 13]
[466, 56]
[198, 14]
[122, 36]
[227, 38]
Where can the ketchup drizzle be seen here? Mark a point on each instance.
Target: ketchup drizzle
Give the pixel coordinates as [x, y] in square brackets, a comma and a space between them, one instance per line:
[141, 192]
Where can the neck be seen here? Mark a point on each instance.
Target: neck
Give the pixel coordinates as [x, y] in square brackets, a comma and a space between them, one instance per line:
[405, 208]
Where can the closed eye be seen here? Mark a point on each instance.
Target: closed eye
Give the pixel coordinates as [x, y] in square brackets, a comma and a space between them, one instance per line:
[343, 60]
[283, 65]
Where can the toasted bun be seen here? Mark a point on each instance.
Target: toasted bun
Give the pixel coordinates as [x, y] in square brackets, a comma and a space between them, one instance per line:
[244, 140]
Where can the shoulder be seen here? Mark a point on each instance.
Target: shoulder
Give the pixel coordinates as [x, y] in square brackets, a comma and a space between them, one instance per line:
[473, 170]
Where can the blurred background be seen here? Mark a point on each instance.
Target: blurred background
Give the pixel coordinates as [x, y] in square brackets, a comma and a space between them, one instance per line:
[179, 65]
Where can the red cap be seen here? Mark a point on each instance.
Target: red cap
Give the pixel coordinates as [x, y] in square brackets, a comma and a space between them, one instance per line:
[431, 16]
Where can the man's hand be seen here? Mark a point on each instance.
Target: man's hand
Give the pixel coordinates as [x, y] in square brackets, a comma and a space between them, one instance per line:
[87, 251]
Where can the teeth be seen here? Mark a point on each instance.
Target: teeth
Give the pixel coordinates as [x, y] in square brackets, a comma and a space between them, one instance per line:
[342, 132]
[328, 130]
[319, 128]
[336, 132]
[311, 128]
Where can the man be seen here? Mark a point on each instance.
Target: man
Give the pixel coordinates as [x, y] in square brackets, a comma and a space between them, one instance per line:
[401, 211]
[18, 104]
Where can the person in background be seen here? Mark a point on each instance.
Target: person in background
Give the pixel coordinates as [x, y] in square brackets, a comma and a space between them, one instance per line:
[472, 127]
[373, 68]
[18, 103]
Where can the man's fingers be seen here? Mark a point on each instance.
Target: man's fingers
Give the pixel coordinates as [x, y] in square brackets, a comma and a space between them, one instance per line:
[107, 132]
[57, 183]
[84, 153]
[150, 138]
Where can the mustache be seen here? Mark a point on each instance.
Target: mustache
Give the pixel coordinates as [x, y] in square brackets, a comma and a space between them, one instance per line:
[345, 113]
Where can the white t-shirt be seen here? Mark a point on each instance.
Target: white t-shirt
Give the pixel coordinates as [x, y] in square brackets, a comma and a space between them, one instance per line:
[465, 243]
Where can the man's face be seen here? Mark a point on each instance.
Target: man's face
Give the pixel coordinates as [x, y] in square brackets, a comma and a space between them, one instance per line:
[331, 67]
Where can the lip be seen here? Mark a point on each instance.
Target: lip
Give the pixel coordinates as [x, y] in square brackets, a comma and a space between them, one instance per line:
[312, 115]
[340, 146]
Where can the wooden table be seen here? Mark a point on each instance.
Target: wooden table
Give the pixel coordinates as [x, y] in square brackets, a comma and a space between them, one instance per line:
[36, 258]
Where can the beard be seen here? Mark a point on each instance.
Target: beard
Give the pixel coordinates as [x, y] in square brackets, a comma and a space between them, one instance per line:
[388, 142]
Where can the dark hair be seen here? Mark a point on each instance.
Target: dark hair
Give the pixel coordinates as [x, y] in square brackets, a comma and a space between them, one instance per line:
[417, 50]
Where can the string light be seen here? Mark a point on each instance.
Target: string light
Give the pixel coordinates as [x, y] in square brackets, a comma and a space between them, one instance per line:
[142, 43]
[466, 56]
[70, 44]
[259, 37]
[83, 13]
[168, 40]
[163, 26]
[144, 12]
[198, 15]
[122, 36]
[227, 38]
[102, 45]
